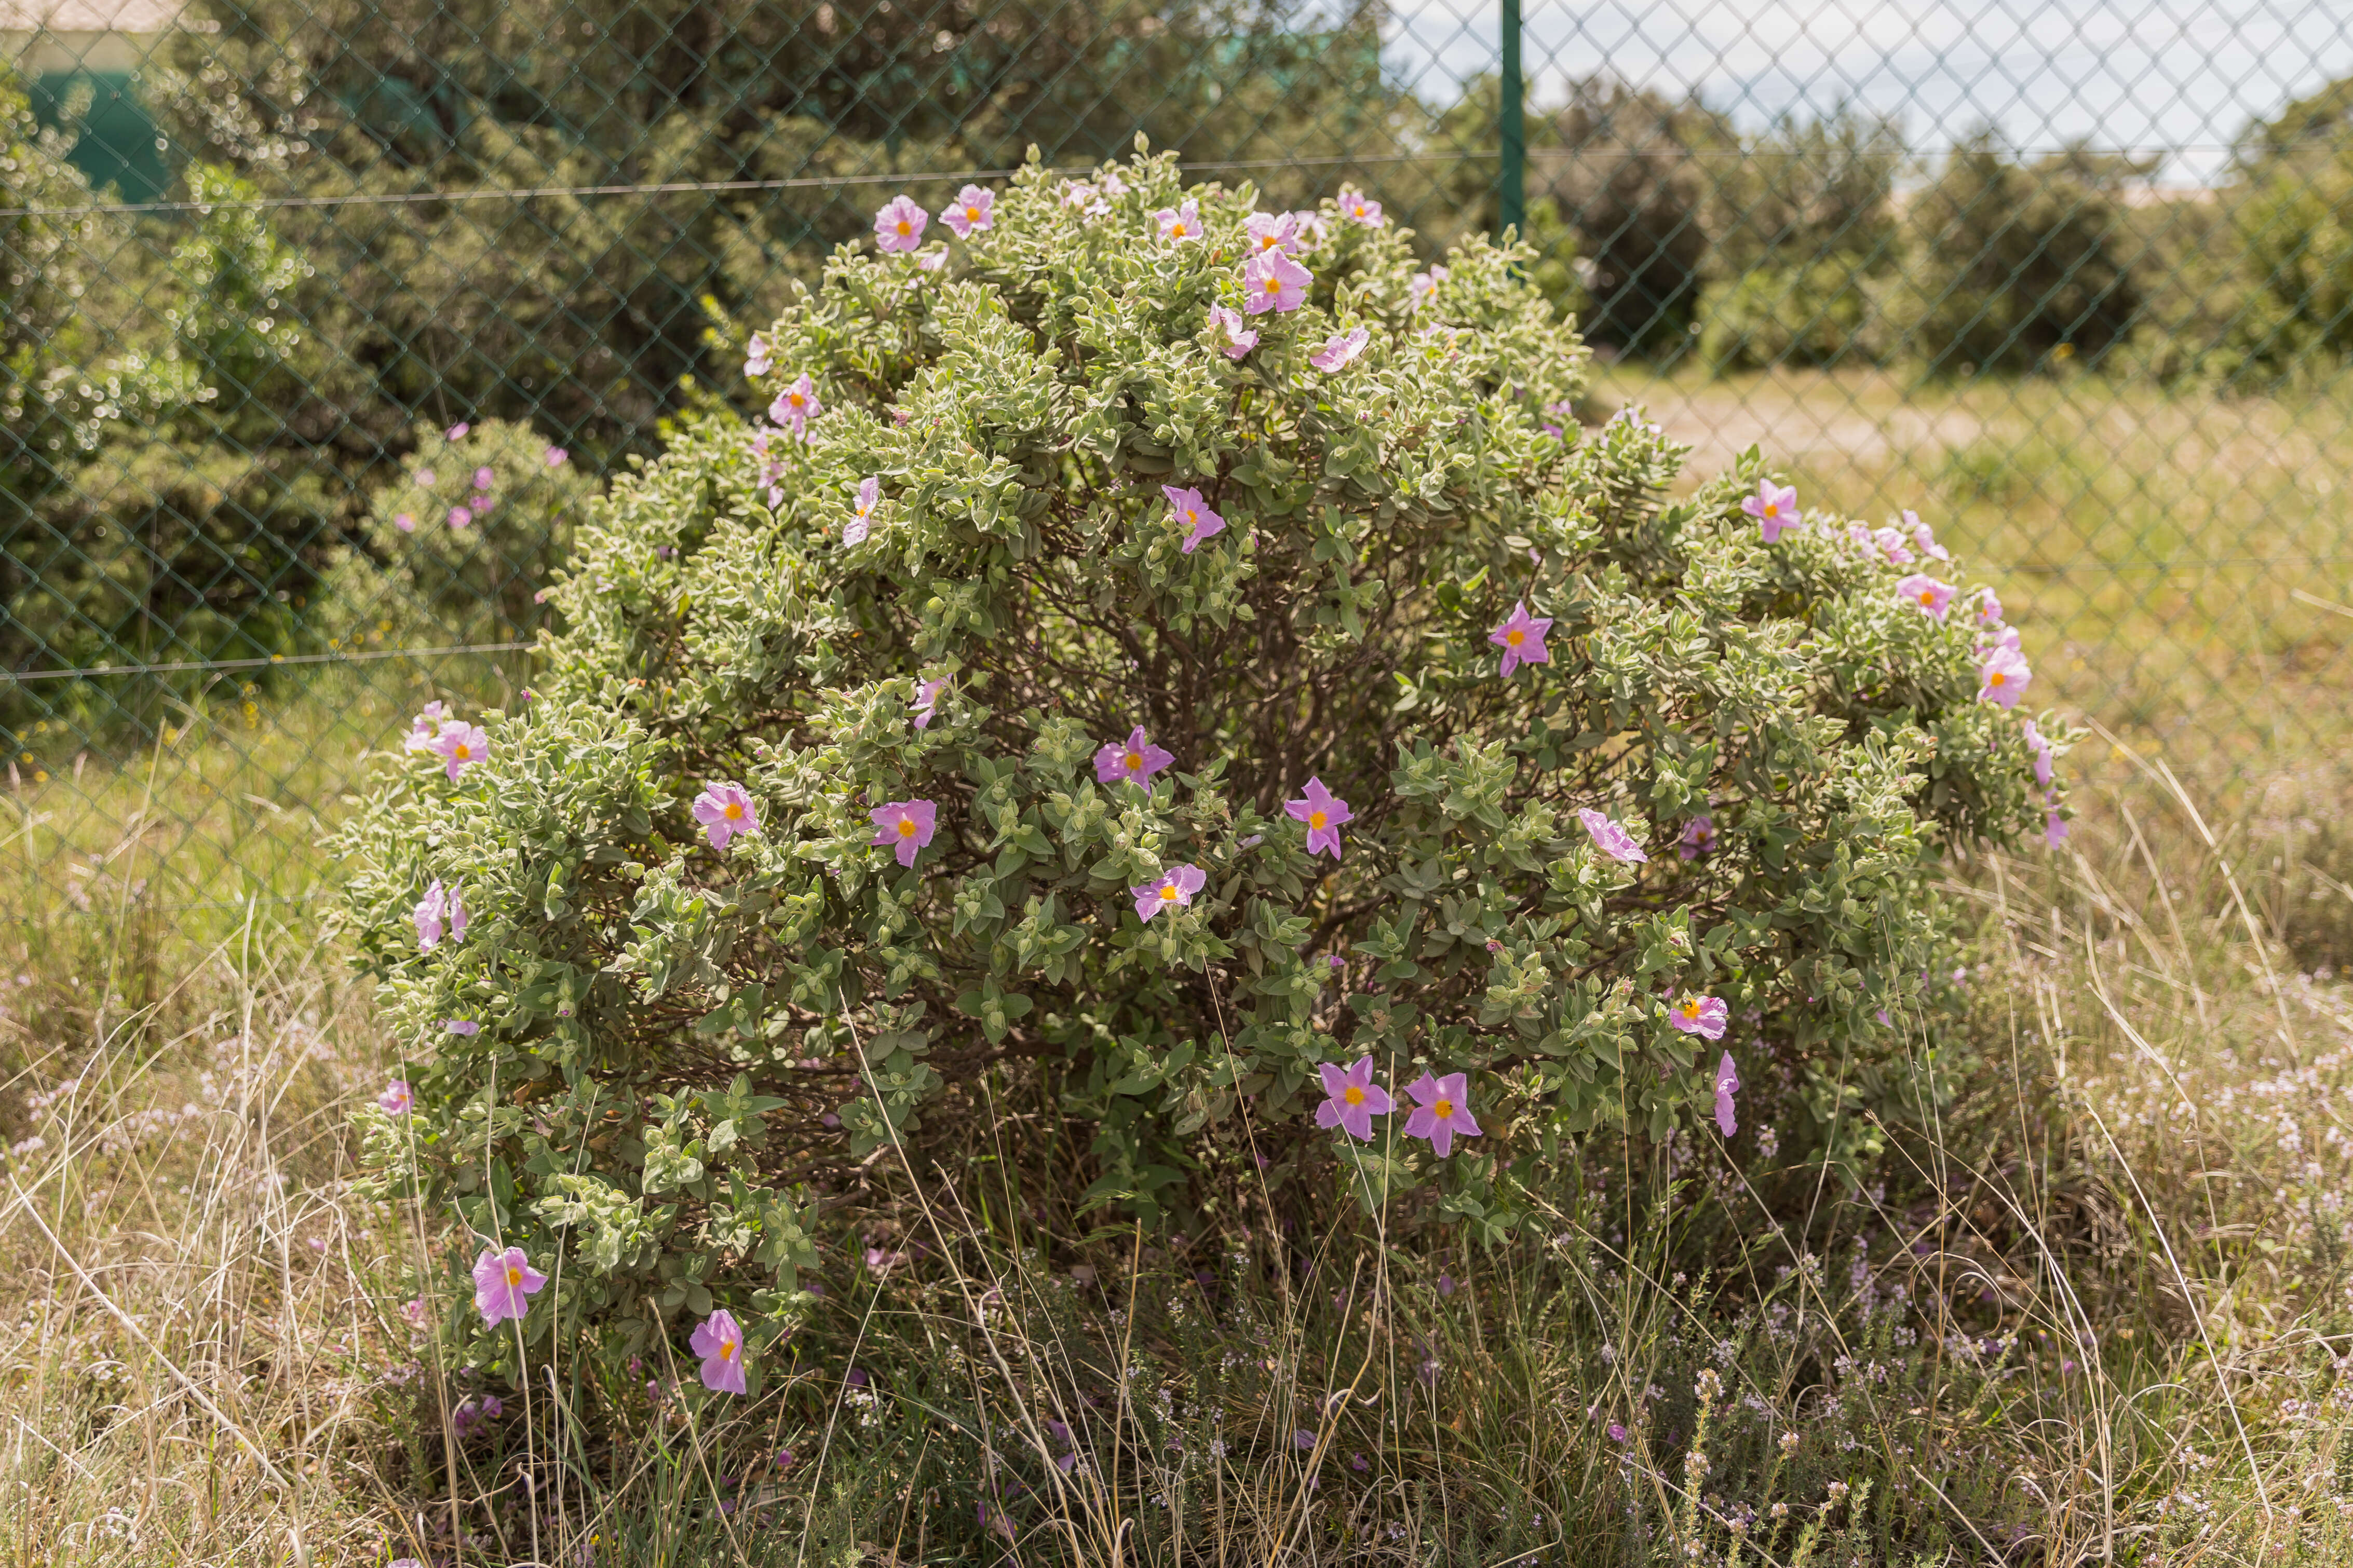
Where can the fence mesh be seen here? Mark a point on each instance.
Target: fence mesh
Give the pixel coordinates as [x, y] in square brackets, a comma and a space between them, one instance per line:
[323, 317]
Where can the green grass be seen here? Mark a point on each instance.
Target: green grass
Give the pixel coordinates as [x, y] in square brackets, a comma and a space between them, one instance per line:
[2150, 545]
[2093, 1308]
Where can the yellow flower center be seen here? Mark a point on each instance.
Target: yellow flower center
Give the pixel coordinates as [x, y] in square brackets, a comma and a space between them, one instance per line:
[1772, 509]
[1690, 1007]
[906, 827]
[1273, 285]
[461, 751]
[1353, 1095]
[727, 1350]
[515, 1275]
[1317, 818]
[1167, 892]
[797, 399]
[1134, 762]
[902, 226]
[972, 215]
[1515, 637]
[1995, 678]
[735, 811]
[1443, 1111]
[1928, 597]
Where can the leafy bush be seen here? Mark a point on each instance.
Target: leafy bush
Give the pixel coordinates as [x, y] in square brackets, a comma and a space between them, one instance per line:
[910, 653]
[1819, 311]
[461, 545]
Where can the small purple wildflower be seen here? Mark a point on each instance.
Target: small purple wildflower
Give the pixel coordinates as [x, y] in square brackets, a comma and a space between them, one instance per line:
[906, 825]
[1192, 515]
[1444, 1112]
[461, 517]
[397, 1098]
[1352, 1099]
[1135, 762]
[927, 701]
[504, 1283]
[1272, 281]
[462, 1026]
[1322, 812]
[1340, 350]
[1172, 889]
[973, 208]
[1239, 339]
[1727, 1084]
[719, 1343]
[1698, 838]
[1522, 637]
[1702, 1015]
[899, 225]
[1775, 507]
[725, 809]
[1609, 838]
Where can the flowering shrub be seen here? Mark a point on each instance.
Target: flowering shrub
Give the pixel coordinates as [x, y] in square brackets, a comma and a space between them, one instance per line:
[460, 545]
[1157, 652]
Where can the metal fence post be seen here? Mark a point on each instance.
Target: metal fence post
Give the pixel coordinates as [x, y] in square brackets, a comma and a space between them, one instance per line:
[1511, 193]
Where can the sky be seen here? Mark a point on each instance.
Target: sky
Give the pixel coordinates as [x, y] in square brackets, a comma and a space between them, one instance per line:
[2180, 77]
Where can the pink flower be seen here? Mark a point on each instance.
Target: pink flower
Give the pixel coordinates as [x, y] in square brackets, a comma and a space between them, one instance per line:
[796, 406]
[1444, 1112]
[1352, 1099]
[1192, 515]
[461, 745]
[2004, 675]
[484, 479]
[466, 1027]
[1172, 890]
[1933, 598]
[1322, 812]
[430, 916]
[1988, 607]
[557, 457]
[899, 225]
[1521, 638]
[755, 355]
[2054, 830]
[457, 431]
[425, 478]
[2040, 748]
[1701, 1015]
[1340, 349]
[412, 1312]
[927, 698]
[1357, 207]
[1136, 761]
[461, 517]
[1924, 538]
[906, 825]
[725, 810]
[1423, 287]
[1179, 224]
[720, 1343]
[1239, 340]
[405, 521]
[1272, 281]
[1698, 838]
[1775, 507]
[1891, 545]
[870, 496]
[423, 727]
[1727, 1084]
[504, 1283]
[1609, 838]
[1308, 230]
[396, 1098]
[973, 208]
[1268, 231]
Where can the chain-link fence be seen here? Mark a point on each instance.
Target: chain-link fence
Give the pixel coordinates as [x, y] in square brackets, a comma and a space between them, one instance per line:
[323, 315]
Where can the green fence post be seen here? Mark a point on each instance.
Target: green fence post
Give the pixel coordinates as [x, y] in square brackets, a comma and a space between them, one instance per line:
[1512, 184]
